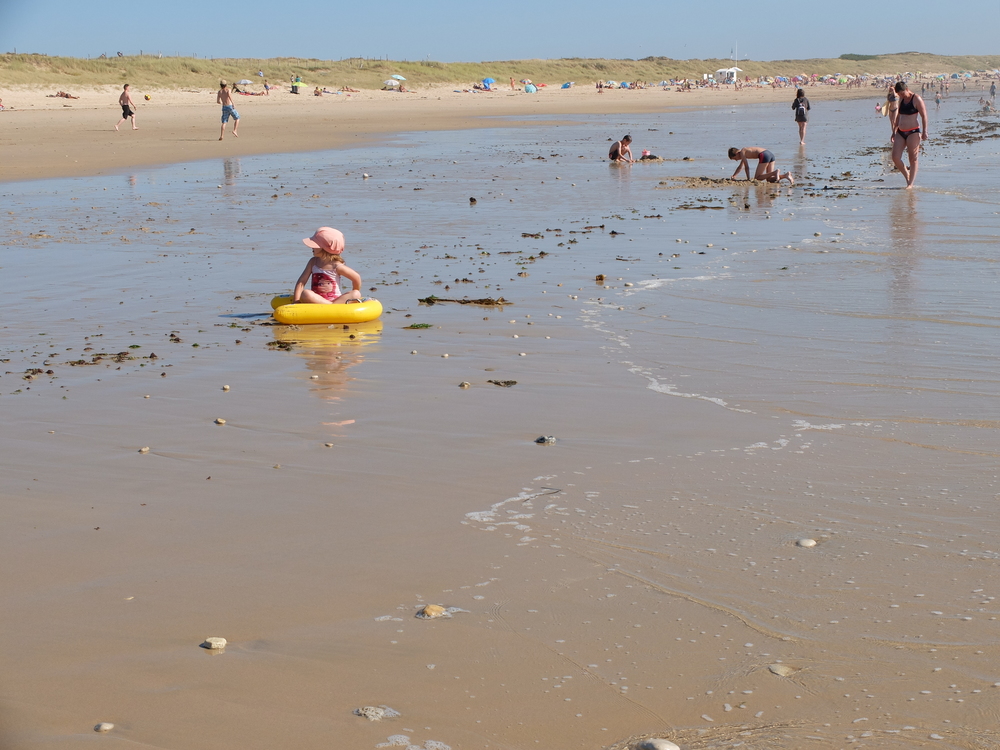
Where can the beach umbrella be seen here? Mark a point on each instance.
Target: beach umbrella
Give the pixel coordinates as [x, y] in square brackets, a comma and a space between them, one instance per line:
[391, 82]
[525, 80]
[244, 82]
[488, 81]
[399, 77]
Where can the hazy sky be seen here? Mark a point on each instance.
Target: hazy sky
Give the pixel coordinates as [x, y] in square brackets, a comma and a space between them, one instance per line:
[448, 31]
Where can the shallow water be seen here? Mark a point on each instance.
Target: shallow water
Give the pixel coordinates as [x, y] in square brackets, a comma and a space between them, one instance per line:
[816, 361]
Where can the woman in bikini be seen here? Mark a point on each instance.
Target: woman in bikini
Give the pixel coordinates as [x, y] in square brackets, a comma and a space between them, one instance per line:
[907, 132]
[767, 170]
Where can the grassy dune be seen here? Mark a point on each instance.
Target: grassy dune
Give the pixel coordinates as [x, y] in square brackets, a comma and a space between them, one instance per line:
[189, 72]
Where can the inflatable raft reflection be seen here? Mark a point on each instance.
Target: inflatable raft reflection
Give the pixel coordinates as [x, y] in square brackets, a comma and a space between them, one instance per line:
[329, 352]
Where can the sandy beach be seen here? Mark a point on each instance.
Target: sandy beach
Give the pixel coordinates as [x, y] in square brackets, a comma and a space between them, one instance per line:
[42, 136]
[767, 518]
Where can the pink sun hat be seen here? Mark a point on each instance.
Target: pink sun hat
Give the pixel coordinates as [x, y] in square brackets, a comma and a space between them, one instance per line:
[328, 239]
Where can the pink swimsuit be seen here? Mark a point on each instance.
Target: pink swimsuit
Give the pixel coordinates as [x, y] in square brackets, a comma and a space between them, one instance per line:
[320, 274]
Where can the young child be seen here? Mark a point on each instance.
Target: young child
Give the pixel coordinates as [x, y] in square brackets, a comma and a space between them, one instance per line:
[324, 269]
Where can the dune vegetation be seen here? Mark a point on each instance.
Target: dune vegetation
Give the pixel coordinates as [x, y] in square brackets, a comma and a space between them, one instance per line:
[191, 72]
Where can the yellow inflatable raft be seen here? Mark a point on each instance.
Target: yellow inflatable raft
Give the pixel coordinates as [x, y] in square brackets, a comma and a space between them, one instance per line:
[304, 313]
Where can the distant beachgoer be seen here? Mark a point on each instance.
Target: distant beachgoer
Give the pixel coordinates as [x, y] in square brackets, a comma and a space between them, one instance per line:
[317, 92]
[905, 126]
[267, 88]
[801, 108]
[128, 108]
[620, 151]
[767, 169]
[512, 84]
[889, 108]
[324, 270]
[993, 90]
[225, 98]
[937, 99]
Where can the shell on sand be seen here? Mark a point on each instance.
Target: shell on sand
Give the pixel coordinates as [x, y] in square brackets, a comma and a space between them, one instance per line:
[376, 713]
[104, 726]
[431, 611]
[782, 670]
[655, 743]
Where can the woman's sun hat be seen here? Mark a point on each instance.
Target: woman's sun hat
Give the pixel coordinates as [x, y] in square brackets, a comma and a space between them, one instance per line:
[328, 239]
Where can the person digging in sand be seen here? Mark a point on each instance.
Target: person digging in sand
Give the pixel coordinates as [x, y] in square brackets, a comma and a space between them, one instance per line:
[767, 170]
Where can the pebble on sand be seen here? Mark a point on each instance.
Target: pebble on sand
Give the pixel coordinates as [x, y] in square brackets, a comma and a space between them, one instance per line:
[656, 743]
[464, 384]
[104, 726]
[144, 449]
[220, 420]
[545, 439]
[225, 387]
[782, 670]
[431, 611]
[214, 644]
[806, 543]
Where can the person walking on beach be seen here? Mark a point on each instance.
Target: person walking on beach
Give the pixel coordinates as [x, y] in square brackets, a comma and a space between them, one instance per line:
[620, 151]
[801, 109]
[128, 108]
[225, 98]
[906, 131]
[766, 170]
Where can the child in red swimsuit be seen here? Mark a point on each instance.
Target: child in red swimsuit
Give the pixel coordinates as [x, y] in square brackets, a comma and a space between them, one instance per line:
[324, 269]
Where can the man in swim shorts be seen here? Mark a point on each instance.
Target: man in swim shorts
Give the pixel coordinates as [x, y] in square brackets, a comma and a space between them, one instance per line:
[766, 170]
[128, 108]
[620, 151]
[906, 131]
[225, 98]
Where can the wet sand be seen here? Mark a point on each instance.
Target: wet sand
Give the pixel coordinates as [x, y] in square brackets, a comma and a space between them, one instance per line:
[805, 363]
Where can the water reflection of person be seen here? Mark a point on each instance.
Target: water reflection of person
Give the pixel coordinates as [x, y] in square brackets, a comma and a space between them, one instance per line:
[906, 247]
[230, 170]
[329, 352]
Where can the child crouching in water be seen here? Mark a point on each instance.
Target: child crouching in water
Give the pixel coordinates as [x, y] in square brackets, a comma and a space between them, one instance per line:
[324, 270]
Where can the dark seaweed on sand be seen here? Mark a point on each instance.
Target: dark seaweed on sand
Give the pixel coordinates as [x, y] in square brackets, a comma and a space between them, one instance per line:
[499, 301]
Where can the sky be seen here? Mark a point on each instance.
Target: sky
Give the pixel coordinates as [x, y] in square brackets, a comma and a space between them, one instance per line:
[452, 31]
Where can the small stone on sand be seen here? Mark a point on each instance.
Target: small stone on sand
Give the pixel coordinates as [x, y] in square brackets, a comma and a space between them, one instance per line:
[545, 439]
[655, 743]
[104, 726]
[464, 384]
[806, 543]
[146, 396]
[225, 387]
[144, 449]
[328, 445]
[431, 611]
[214, 644]
[782, 670]
[220, 420]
